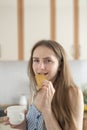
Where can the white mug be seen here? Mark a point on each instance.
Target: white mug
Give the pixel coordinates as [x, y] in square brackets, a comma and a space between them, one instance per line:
[16, 114]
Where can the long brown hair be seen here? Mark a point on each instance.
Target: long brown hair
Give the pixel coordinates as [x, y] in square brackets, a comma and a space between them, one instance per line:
[61, 102]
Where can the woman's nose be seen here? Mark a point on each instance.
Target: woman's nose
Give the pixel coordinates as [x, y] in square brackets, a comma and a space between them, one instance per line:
[41, 65]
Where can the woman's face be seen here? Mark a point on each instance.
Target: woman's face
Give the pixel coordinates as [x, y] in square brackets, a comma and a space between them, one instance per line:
[45, 62]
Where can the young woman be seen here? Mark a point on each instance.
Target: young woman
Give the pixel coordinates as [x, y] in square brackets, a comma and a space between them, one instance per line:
[58, 105]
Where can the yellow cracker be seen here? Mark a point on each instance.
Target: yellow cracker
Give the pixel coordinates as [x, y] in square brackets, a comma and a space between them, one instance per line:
[39, 79]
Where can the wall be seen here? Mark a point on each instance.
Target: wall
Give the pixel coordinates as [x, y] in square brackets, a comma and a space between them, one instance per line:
[13, 81]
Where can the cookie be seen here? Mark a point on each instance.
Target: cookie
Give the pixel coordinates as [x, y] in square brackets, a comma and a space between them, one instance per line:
[39, 79]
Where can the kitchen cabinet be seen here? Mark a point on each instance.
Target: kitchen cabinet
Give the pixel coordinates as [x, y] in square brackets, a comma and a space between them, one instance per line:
[83, 28]
[85, 121]
[85, 124]
[8, 30]
[37, 23]
[65, 27]
[37, 26]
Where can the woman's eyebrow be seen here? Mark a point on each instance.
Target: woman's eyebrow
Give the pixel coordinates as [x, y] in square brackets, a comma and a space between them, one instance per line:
[46, 58]
[42, 58]
[35, 57]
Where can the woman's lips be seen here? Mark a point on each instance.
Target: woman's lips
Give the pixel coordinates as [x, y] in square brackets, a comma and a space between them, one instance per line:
[42, 73]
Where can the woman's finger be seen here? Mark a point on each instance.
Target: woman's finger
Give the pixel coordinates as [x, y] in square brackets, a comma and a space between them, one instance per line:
[5, 111]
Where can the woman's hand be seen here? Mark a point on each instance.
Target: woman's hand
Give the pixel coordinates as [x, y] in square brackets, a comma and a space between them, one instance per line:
[21, 126]
[44, 96]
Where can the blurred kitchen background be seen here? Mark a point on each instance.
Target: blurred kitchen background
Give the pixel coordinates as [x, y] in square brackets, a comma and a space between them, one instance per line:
[24, 22]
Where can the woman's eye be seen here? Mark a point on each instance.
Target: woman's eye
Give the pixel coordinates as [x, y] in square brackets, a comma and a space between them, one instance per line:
[36, 60]
[47, 61]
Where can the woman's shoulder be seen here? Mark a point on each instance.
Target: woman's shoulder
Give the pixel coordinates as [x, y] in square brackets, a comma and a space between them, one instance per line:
[76, 95]
[75, 91]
